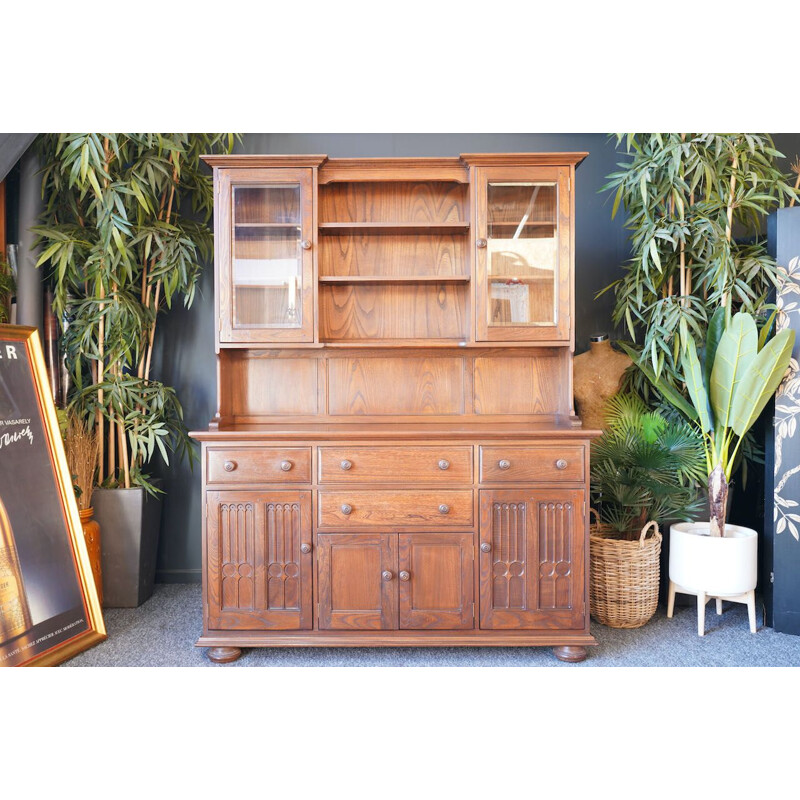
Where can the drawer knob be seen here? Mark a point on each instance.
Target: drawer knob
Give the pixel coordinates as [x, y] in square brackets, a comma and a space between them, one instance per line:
[387, 575]
[229, 466]
[305, 547]
[444, 464]
[306, 244]
[481, 243]
[486, 547]
[561, 463]
[504, 464]
[444, 508]
[286, 465]
[404, 576]
[346, 464]
[346, 508]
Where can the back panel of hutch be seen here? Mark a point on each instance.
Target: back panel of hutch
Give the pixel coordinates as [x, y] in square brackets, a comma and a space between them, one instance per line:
[395, 459]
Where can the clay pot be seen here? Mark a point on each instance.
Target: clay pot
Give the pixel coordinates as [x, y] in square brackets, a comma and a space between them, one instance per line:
[91, 533]
[597, 375]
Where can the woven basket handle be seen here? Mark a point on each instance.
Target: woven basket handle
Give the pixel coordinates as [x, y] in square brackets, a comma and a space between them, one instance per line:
[596, 515]
[643, 535]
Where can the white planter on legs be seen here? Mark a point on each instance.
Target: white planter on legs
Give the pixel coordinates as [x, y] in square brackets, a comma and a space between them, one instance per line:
[724, 568]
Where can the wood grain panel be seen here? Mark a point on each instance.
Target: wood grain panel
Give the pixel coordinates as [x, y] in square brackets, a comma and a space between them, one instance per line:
[254, 464]
[393, 255]
[443, 464]
[395, 508]
[418, 386]
[396, 311]
[420, 202]
[531, 464]
[436, 591]
[518, 385]
[269, 385]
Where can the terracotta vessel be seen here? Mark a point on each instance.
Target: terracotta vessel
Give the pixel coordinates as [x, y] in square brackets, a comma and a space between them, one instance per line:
[91, 532]
[597, 376]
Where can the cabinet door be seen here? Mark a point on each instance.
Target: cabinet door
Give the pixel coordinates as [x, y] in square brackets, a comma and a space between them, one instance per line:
[523, 259]
[258, 560]
[264, 228]
[357, 581]
[532, 556]
[435, 580]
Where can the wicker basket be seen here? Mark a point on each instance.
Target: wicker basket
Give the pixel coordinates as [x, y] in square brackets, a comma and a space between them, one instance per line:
[623, 575]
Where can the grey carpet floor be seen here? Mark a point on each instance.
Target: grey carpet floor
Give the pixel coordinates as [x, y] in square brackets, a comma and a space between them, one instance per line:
[163, 630]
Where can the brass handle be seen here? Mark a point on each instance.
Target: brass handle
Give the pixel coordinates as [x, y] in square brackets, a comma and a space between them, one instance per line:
[286, 465]
[444, 464]
[305, 547]
[306, 244]
[387, 575]
[404, 576]
[346, 464]
[444, 509]
[486, 547]
[561, 464]
[481, 243]
[504, 464]
[346, 508]
[230, 466]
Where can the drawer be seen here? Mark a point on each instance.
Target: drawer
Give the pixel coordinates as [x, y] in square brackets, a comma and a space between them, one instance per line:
[258, 465]
[501, 464]
[402, 508]
[395, 464]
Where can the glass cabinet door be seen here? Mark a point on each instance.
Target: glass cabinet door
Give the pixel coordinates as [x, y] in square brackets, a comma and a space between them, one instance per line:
[267, 278]
[523, 252]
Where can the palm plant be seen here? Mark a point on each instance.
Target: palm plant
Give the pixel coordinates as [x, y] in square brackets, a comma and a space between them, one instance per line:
[644, 467]
[122, 249]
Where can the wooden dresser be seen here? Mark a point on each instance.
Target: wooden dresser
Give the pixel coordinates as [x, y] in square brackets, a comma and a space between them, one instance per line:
[395, 459]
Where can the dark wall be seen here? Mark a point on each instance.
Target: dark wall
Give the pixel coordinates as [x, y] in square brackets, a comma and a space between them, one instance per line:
[185, 349]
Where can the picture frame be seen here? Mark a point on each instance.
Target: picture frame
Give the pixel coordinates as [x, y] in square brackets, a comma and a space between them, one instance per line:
[49, 607]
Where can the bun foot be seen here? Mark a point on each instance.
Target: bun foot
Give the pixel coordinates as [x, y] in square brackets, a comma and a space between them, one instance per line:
[571, 653]
[223, 655]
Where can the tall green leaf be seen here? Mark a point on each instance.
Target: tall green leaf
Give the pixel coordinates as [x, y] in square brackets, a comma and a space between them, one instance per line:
[736, 351]
[760, 381]
[716, 327]
[693, 375]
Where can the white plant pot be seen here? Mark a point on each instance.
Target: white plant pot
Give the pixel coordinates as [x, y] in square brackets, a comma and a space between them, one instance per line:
[713, 565]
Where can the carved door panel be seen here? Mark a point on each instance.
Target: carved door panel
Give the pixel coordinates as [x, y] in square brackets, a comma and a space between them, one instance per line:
[532, 555]
[357, 581]
[258, 555]
[435, 580]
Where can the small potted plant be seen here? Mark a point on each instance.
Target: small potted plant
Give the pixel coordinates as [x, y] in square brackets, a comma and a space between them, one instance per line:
[644, 468]
[729, 383]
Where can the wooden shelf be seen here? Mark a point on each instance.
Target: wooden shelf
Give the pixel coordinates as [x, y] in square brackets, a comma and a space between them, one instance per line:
[345, 279]
[513, 280]
[337, 228]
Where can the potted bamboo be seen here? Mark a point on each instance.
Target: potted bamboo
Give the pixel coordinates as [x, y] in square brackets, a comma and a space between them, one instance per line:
[122, 247]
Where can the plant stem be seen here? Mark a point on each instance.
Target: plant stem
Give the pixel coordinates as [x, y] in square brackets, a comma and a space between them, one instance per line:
[729, 227]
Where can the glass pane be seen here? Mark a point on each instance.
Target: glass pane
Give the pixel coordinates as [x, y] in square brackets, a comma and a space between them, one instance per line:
[522, 254]
[267, 259]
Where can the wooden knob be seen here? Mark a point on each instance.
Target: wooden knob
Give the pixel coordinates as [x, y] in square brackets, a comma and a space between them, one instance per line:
[229, 466]
[561, 463]
[486, 547]
[346, 464]
[481, 243]
[346, 508]
[504, 464]
[404, 576]
[286, 465]
[444, 508]
[444, 464]
[306, 244]
[387, 575]
[305, 547]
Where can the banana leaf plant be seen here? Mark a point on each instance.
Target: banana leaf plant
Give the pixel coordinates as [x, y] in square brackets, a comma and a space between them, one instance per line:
[729, 382]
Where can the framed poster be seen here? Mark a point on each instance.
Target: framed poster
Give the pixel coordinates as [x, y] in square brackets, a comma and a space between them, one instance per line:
[49, 609]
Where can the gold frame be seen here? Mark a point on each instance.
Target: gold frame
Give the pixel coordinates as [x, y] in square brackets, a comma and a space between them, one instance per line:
[94, 617]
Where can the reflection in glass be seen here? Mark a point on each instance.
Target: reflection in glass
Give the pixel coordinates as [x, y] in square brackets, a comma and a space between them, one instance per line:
[522, 253]
[267, 259]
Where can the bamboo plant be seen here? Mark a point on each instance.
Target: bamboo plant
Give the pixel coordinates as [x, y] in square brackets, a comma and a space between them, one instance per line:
[123, 246]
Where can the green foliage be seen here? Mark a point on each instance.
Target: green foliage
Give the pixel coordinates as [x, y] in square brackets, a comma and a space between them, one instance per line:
[122, 249]
[7, 288]
[644, 466]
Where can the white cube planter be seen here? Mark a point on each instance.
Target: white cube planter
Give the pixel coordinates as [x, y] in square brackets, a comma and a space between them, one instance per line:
[724, 568]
